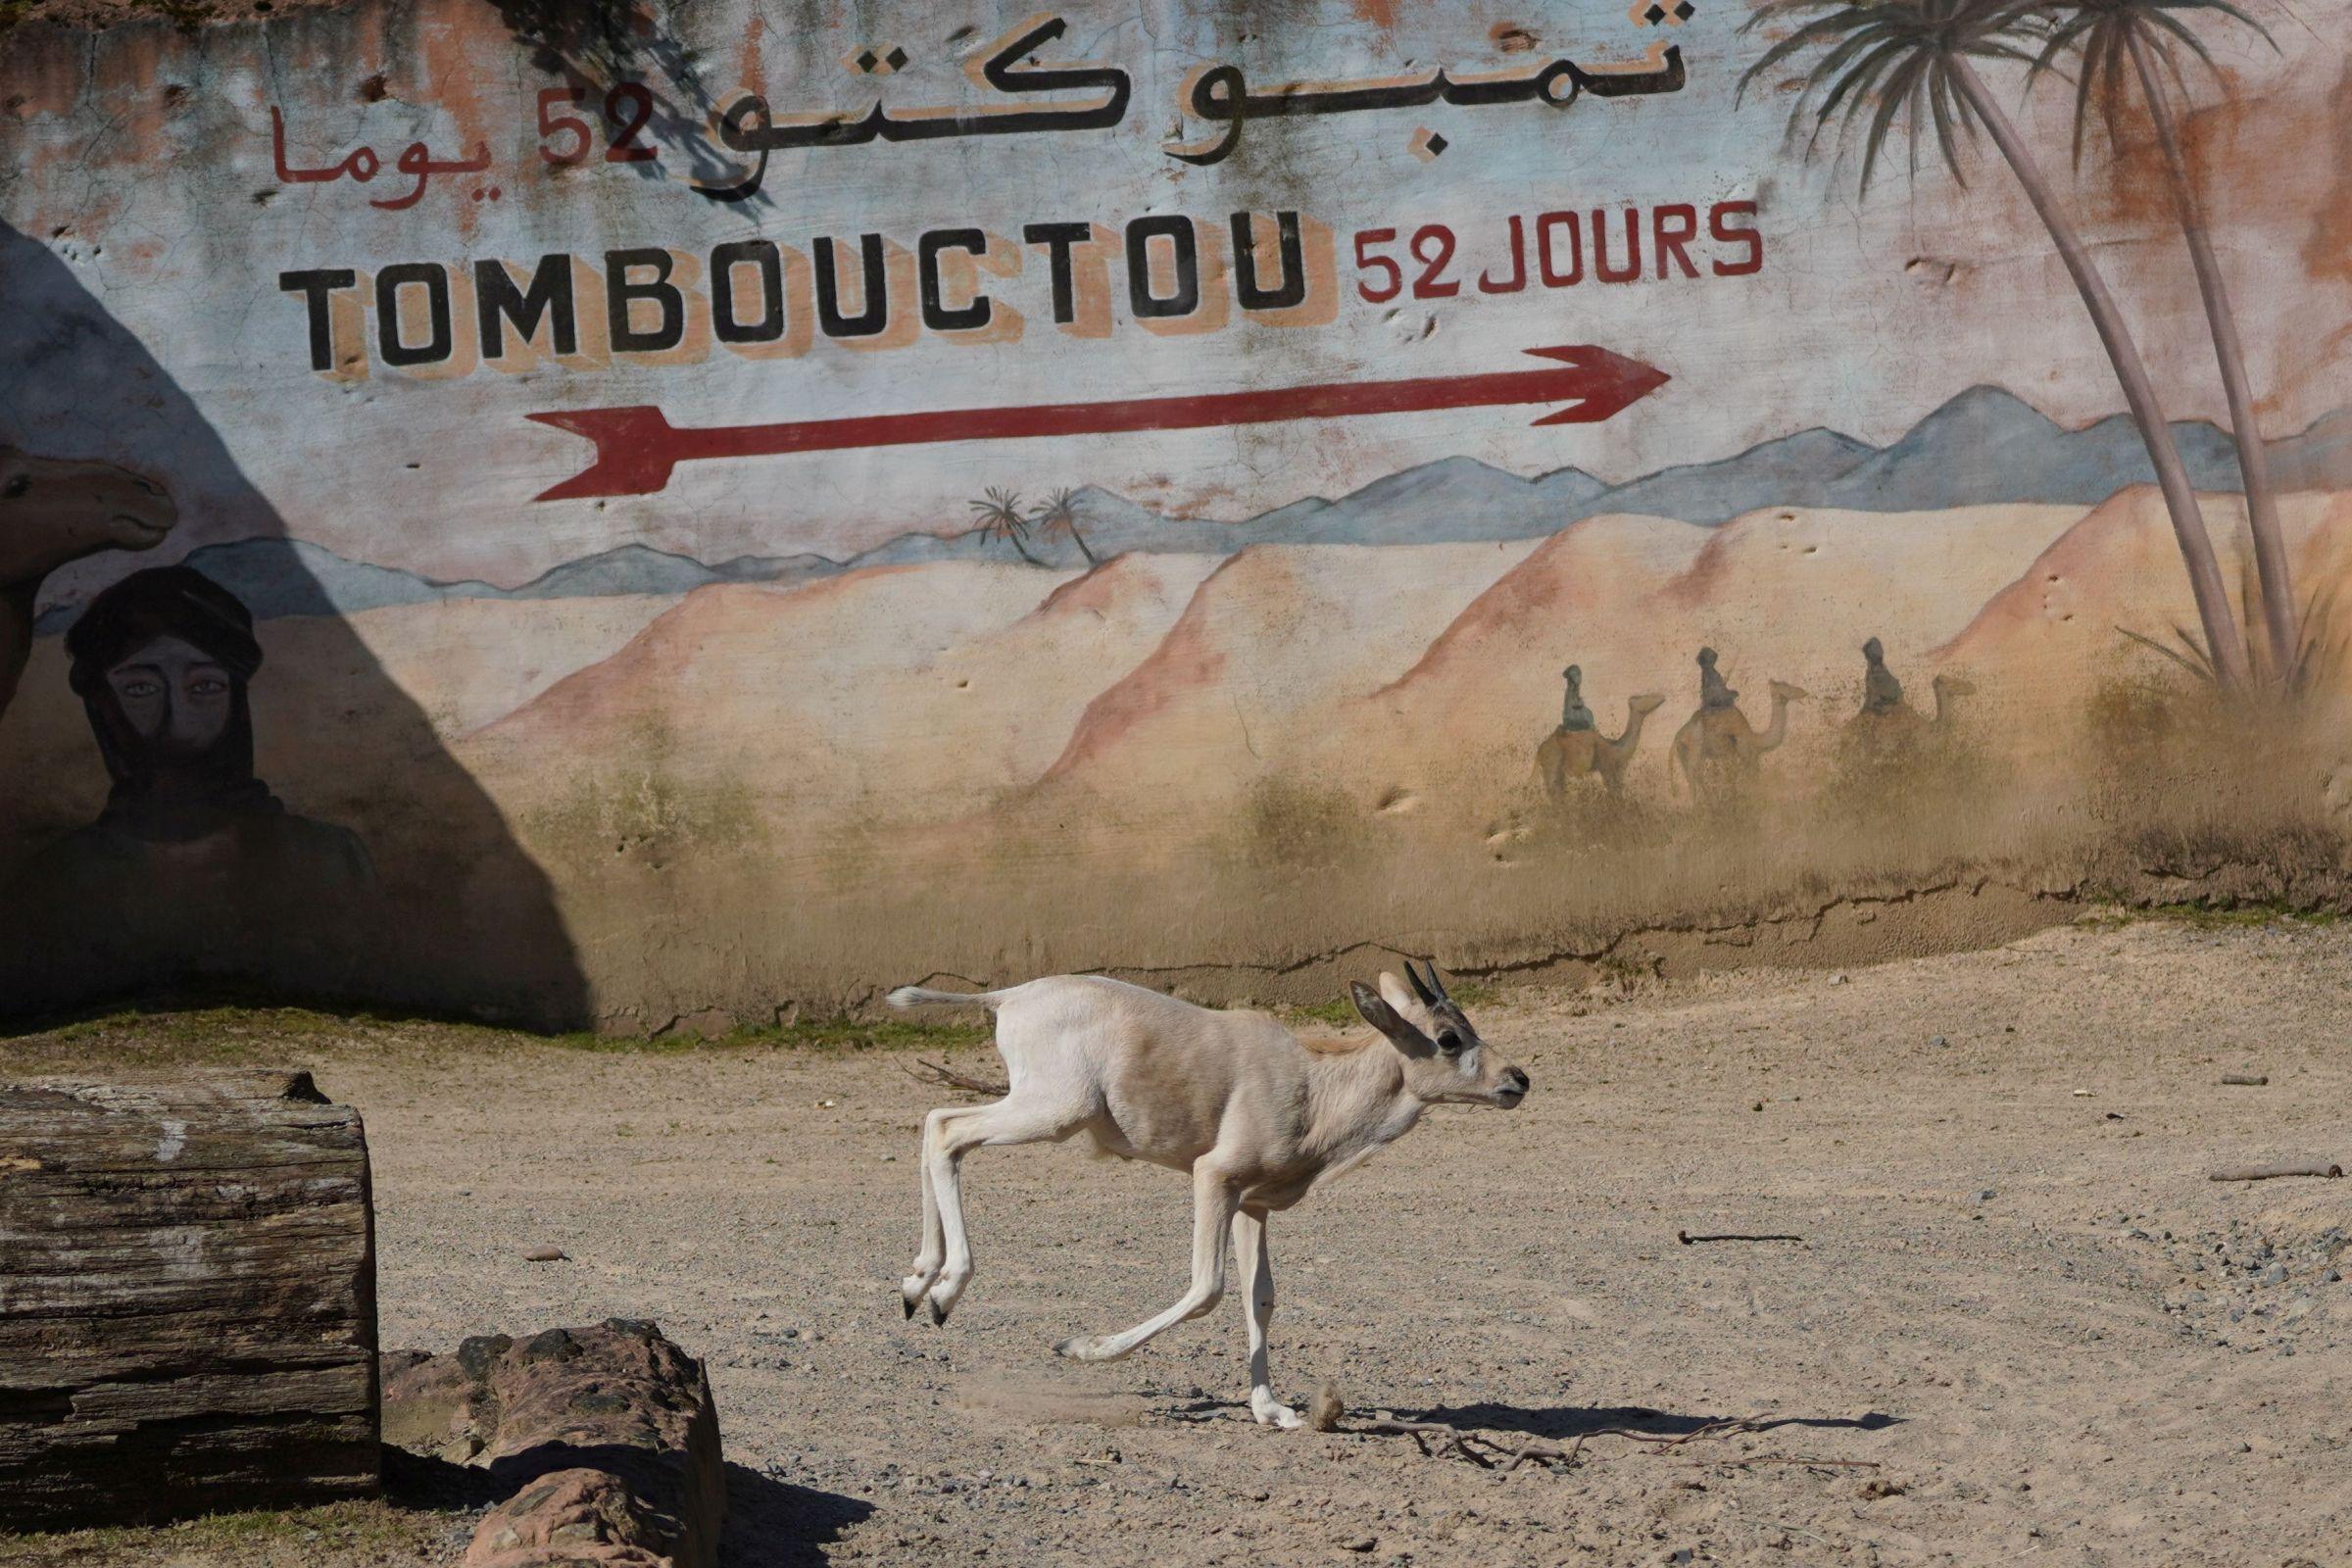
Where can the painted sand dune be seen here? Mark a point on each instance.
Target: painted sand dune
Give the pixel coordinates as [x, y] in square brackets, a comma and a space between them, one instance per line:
[890, 694]
[1272, 643]
[1161, 688]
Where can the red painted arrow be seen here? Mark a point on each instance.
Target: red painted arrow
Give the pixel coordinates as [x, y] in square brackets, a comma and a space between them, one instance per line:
[636, 447]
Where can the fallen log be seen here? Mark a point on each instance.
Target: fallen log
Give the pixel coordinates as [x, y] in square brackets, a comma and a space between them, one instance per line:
[187, 1298]
[2263, 1173]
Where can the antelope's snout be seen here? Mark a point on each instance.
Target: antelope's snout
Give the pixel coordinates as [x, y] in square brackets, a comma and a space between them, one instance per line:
[1510, 1086]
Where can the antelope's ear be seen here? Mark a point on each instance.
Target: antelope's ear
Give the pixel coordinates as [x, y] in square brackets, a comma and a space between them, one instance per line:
[1407, 1005]
[1380, 1016]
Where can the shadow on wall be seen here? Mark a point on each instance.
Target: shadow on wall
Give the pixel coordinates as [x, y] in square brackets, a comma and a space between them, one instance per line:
[603, 49]
[185, 807]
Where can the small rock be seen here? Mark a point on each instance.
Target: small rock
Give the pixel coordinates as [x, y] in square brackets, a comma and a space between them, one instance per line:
[2275, 1274]
[1983, 1194]
[1324, 1410]
[544, 1254]
[890, 1160]
[1836, 979]
[1358, 1543]
[1938, 1040]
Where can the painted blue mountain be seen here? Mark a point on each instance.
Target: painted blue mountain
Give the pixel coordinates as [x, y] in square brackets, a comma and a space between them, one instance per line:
[1983, 447]
[1989, 446]
[1783, 472]
[295, 577]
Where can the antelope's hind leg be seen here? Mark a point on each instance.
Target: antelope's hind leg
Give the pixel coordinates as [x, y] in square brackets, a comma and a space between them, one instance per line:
[947, 1136]
[933, 1252]
[1214, 1203]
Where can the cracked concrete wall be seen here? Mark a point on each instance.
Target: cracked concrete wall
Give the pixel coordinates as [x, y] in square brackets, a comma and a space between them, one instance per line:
[1054, 509]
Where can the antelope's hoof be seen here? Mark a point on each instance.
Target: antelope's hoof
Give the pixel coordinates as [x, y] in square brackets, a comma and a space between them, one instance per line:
[1088, 1348]
[938, 1313]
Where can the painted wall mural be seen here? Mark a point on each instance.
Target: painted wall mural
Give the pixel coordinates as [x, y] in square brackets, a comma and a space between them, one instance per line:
[658, 514]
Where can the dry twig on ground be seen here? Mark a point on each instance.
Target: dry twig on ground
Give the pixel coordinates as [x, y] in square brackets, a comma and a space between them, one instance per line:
[935, 1072]
[2263, 1173]
[1484, 1450]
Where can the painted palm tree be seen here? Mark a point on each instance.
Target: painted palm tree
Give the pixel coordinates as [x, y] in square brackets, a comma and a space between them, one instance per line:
[2147, 39]
[1058, 513]
[998, 515]
[1914, 62]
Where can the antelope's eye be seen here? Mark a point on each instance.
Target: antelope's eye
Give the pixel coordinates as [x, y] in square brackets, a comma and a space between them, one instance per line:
[1451, 1043]
[16, 487]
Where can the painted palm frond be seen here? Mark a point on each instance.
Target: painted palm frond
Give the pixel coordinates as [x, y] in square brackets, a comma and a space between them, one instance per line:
[1887, 62]
[998, 515]
[2196, 661]
[2100, 35]
[1057, 513]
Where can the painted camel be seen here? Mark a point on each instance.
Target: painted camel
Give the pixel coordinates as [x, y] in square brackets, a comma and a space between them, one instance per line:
[1903, 724]
[53, 510]
[1720, 755]
[1567, 753]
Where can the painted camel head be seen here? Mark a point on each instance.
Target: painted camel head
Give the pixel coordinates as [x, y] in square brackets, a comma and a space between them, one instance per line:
[1647, 704]
[58, 510]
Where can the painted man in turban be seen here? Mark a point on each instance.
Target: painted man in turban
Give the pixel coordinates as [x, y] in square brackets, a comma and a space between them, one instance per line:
[1574, 714]
[194, 868]
[1714, 691]
[1881, 693]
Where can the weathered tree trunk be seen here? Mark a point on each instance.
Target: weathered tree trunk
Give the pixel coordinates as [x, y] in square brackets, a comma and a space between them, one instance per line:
[2253, 462]
[2205, 585]
[187, 1298]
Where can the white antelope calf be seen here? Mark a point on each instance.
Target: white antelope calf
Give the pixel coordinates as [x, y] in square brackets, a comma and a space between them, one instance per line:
[1257, 1117]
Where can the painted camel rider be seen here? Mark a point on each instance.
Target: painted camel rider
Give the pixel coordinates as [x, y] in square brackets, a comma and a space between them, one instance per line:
[1713, 692]
[193, 870]
[1881, 693]
[1574, 714]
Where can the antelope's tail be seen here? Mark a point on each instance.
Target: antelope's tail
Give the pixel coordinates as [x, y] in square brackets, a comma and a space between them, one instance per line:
[925, 997]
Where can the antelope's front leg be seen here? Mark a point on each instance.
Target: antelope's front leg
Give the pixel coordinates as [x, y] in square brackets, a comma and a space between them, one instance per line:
[1255, 1261]
[1214, 1201]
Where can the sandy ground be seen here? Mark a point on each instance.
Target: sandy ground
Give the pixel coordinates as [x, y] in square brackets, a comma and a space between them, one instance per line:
[2022, 1319]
